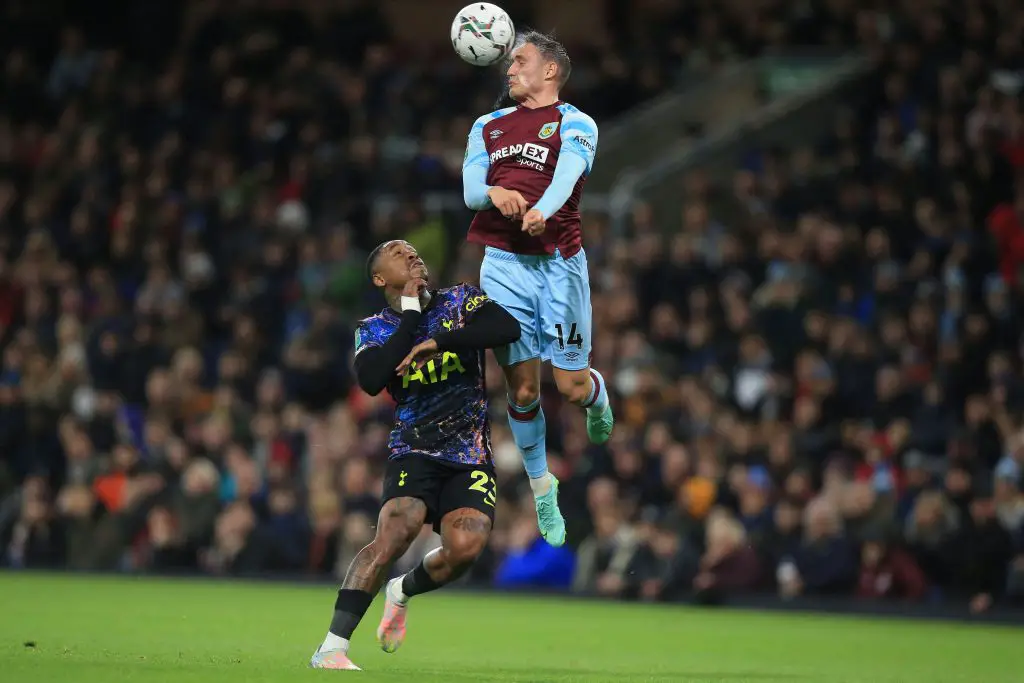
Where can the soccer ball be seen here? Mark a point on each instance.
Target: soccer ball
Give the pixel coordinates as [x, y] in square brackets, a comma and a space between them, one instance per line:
[482, 33]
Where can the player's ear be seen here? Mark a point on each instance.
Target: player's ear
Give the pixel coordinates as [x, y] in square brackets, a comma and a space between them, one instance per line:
[378, 281]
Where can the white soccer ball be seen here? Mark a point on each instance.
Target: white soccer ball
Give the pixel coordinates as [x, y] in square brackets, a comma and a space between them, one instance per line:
[482, 33]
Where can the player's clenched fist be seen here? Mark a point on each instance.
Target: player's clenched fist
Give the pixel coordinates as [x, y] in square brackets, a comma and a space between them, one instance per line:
[509, 202]
[534, 223]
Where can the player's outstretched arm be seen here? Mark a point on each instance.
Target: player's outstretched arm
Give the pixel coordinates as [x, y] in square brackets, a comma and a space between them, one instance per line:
[375, 365]
[490, 327]
[579, 147]
[474, 168]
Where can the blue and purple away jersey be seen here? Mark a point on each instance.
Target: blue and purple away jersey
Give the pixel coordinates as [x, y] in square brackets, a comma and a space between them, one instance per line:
[442, 406]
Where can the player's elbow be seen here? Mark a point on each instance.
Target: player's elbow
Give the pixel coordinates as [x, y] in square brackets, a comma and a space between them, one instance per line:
[502, 322]
[511, 327]
[371, 385]
[475, 198]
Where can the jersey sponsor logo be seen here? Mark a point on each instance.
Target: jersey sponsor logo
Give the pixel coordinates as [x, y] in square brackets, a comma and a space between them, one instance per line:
[585, 141]
[547, 130]
[434, 370]
[476, 302]
[529, 151]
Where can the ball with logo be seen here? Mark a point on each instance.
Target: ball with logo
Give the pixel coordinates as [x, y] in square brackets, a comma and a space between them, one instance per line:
[483, 34]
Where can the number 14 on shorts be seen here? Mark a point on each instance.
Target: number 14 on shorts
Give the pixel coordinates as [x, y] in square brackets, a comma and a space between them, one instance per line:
[574, 338]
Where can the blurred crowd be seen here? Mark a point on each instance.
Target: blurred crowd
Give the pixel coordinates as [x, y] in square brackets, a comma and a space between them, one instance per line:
[823, 396]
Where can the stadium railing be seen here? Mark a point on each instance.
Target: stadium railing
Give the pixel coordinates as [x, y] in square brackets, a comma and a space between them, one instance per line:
[803, 110]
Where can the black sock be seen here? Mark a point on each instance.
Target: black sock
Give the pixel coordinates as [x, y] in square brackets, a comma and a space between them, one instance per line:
[349, 609]
[418, 581]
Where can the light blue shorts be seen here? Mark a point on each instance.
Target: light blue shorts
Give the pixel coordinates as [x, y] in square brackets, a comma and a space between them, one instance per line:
[550, 297]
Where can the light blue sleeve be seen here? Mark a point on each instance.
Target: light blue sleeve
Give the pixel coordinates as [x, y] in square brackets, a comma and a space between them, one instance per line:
[576, 158]
[567, 171]
[474, 168]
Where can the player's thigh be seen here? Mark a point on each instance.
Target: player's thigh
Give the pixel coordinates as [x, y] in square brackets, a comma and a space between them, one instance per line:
[412, 495]
[468, 489]
[513, 286]
[566, 314]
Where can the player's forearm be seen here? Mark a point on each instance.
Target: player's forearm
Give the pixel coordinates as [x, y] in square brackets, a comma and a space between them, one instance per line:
[567, 172]
[475, 188]
[376, 366]
[492, 326]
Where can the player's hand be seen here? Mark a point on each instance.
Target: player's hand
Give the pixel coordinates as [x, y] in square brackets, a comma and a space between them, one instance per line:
[534, 223]
[415, 286]
[419, 354]
[509, 202]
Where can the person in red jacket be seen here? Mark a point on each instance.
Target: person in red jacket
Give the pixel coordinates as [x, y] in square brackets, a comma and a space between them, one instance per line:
[888, 572]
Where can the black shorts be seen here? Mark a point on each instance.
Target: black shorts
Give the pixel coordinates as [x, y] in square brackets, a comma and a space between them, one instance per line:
[443, 486]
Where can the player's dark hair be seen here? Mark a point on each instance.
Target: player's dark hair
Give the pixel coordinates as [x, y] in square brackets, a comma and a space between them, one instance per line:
[550, 49]
[371, 261]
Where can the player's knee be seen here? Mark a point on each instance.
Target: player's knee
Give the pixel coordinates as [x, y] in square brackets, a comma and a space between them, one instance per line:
[463, 548]
[573, 386]
[525, 393]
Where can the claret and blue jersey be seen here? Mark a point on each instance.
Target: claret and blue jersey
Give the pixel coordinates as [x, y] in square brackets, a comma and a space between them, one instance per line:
[544, 153]
[441, 409]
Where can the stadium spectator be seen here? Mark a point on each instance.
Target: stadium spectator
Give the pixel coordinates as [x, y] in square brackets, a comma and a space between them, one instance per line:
[829, 348]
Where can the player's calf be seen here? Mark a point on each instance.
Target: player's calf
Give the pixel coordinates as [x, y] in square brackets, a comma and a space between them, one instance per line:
[587, 389]
[398, 525]
[464, 535]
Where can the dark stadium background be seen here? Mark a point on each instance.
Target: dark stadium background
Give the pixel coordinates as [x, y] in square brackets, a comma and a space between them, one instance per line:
[806, 250]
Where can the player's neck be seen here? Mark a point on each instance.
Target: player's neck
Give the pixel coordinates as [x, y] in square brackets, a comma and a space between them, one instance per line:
[394, 300]
[539, 100]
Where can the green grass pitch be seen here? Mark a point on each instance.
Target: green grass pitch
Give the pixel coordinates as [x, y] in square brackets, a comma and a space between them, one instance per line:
[109, 630]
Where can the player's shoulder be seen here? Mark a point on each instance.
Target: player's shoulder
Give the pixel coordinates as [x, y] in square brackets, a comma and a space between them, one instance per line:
[464, 295]
[573, 114]
[373, 331]
[496, 114]
[460, 291]
[375, 322]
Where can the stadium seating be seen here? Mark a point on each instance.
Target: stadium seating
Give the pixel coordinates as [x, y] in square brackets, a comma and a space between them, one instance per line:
[820, 394]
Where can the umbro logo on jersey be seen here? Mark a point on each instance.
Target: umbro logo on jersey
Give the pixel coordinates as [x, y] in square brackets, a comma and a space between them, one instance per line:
[495, 134]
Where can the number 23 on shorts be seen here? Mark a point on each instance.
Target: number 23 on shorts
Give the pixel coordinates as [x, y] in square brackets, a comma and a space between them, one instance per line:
[485, 484]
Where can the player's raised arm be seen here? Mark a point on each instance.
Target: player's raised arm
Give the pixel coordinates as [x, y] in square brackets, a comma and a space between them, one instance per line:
[396, 269]
[474, 168]
[487, 326]
[576, 158]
